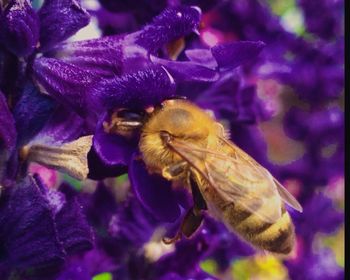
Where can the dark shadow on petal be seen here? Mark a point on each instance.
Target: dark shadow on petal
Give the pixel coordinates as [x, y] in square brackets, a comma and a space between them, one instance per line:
[112, 149]
[154, 192]
[31, 113]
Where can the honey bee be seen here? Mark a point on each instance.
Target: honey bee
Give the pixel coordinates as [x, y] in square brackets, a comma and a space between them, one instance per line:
[182, 142]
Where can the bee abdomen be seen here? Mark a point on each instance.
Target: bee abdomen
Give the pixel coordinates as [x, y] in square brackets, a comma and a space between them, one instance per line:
[277, 237]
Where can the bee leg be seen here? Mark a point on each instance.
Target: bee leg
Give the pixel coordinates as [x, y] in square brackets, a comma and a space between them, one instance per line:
[198, 200]
[190, 224]
[172, 171]
[194, 216]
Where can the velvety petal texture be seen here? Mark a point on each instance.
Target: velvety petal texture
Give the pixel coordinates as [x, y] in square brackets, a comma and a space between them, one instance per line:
[103, 56]
[28, 231]
[40, 227]
[63, 126]
[171, 24]
[31, 113]
[154, 192]
[8, 134]
[20, 27]
[137, 90]
[65, 82]
[78, 237]
[7, 125]
[107, 56]
[60, 19]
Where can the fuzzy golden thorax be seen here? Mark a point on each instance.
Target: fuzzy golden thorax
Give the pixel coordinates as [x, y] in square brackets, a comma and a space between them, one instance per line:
[181, 120]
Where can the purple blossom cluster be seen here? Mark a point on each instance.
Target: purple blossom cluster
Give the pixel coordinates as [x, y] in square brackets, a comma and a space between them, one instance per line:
[58, 99]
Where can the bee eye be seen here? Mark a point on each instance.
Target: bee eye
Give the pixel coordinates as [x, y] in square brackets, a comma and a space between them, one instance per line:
[130, 115]
[165, 136]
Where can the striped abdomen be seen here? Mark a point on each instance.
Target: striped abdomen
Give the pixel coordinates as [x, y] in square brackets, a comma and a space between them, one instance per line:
[277, 237]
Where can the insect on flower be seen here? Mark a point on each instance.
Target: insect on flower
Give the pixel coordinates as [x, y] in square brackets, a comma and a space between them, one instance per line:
[182, 143]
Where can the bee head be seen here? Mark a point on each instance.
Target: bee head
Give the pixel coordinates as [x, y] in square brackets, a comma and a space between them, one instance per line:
[180, 119]
[174, 120]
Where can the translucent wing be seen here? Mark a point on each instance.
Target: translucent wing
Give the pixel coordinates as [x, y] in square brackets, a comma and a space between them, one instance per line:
[235, 176]
[286, 196]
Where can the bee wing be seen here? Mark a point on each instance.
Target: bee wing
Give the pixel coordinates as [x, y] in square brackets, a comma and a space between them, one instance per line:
[236, 177]
[286, 196]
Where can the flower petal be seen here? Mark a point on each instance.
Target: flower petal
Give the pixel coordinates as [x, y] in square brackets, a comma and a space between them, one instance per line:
[187, 70]
[65, 82]
[31, 113]
[136, 90]
[8, 135]
[63, 126]
[107, 56]
[70, 158]
[231, 55]
[171, 24]
[20, 27]
[202, 56]
[27, 227]
[114, 150]
[60, 19]
[73, 230]
[7, 126]
[154, 192]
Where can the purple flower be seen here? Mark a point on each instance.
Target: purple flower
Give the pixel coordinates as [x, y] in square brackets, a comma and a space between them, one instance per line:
[39, 228]
[61, 101]
[316, 266]
[325, 18]
[20, 28]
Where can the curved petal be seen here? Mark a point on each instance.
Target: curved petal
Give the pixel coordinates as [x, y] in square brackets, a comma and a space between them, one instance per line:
[188, 70]
[74, 238]
[113, 149]
[103, 56]
[107, 56]
[60, 19]
[20, 27]
[71, 225]
[202, 56]
[171, 24]
[65, 82]
[136, 90]
[27, 227]
[8, 134]
[7, 126]
[231, 55]
[63, 126]
[31, 113]
[154, 192]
